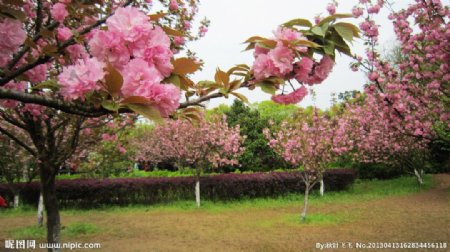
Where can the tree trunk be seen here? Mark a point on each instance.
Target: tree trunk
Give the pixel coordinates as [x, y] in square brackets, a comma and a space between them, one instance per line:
[16, 199]
[322, 187]
[305, 206]
[40, 212]
[197, 191]
[48, 172]
[419, 176]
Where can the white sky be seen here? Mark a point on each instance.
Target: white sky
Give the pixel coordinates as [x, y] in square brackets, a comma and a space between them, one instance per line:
[233, 21]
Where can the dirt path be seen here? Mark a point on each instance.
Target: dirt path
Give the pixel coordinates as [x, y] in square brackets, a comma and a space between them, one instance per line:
[421, 217]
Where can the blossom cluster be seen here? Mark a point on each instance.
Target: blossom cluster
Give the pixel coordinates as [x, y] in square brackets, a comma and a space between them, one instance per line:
[410, 91]
[280, 62]
[137, 48]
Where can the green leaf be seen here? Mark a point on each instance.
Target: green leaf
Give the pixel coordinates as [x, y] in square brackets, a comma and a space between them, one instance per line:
[254, 39]
[174, 79]
[348, 27]
[113, 80]
[267, 87]
[298, 22]
[306, 43]
[110, 105]
[344, 32]
[329, 48]
[267, 43]
[148, 111]
[48, 84]
[334, 17]
[208, 84]
[318, 31]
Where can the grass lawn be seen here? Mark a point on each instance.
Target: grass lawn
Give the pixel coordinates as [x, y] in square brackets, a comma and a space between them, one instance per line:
[371, 211]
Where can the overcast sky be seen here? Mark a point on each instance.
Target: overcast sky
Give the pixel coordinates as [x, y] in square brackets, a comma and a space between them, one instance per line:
[233, 21]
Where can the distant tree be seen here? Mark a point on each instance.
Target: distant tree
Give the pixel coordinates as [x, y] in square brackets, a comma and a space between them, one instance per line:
[270, 110]
[16, 166]
[258, 156]
[311, 146]
[198, 146]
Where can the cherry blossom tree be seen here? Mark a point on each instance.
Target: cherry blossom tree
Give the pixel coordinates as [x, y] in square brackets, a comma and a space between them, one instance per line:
[199, 146]
[411, 91]
[313, 146]
[379, 139]
[16, 165]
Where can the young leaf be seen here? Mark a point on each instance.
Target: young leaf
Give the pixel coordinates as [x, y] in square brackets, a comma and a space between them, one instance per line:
[48, 84]
[113, 80]
[157, 16]
[334, 17]
[240, 96]
[267, 87]
[221, 77]
[254, 39]
[136, 100]
[298, 22]
[183, 66]
[171, 32]
[318, 31]
[174, 79]
[355, 30]
[150, 112]
[110, 105]
[344, 32]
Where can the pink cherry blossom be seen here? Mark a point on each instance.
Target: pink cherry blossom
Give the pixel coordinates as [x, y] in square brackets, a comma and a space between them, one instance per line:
[59, 12]
[282, 58]
[137, 74]
[291, 98]
[160, 57]
[179, 41]
[63, 33]
[263, 67]
[79, 79]
[12, 36]
[110, 47]
[173, 5]
[129, 23]
[302, 69]
[37, 74]
[331, 8]
[166, 97]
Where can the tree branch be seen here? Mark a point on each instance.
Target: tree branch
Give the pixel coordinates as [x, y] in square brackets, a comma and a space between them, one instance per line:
[200, 100]
[18, 141]
[65, 106]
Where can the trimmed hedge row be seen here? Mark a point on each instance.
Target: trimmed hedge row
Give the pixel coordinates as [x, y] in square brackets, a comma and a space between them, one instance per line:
[124, 191]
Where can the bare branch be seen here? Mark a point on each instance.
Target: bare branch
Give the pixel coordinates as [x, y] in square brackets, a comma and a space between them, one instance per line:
[18, 141]
[65, 106]
[200, 100]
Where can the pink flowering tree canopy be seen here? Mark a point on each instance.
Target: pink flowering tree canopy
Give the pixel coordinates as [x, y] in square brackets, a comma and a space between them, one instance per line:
[120, 58]
[312, 146]
[201, 145]
[411, 89]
